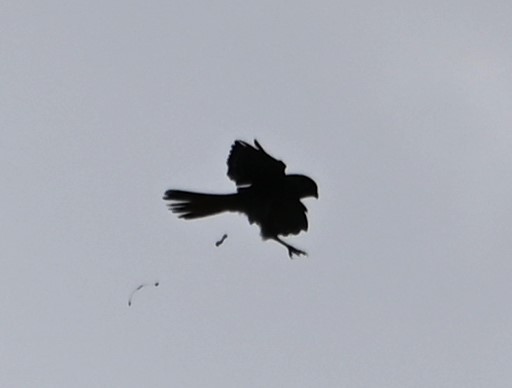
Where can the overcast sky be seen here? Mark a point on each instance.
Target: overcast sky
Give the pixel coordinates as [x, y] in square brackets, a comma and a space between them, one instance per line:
[400, 110]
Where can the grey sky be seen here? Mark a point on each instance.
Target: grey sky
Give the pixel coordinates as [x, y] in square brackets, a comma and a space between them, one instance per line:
[401, 111]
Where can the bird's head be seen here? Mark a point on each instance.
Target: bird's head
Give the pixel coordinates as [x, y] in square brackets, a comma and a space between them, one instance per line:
[304, 186]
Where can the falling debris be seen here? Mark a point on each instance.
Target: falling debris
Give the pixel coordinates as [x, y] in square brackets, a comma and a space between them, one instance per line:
[156, 284]
[218, 243]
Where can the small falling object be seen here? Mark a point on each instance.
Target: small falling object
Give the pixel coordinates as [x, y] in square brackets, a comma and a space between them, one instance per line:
[156, 284]
[218, 243]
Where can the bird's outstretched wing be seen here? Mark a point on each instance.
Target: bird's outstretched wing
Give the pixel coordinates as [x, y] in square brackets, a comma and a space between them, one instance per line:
[248, 165]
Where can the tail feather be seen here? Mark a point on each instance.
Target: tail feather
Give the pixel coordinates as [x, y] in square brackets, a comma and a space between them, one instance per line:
[190, 205]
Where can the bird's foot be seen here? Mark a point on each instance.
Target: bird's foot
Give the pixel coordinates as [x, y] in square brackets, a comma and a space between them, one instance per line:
[292, 251]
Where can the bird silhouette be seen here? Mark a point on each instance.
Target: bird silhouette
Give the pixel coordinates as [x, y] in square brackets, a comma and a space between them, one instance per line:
[265, 194]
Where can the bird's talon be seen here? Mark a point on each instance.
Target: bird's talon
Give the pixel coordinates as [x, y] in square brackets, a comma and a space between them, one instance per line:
[298, 252]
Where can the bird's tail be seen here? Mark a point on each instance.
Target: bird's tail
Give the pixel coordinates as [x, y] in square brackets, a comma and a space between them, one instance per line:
[190, 205]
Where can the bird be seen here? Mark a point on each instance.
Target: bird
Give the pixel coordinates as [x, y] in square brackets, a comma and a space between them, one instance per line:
[267, 195]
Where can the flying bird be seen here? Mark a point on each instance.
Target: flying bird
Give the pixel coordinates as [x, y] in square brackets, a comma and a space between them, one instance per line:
[265, 194]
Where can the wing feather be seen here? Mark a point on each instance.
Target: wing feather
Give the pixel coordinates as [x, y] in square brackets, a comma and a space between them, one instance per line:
[249, 164]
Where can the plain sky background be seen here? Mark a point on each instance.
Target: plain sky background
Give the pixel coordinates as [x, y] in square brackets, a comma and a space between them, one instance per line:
[400, 110]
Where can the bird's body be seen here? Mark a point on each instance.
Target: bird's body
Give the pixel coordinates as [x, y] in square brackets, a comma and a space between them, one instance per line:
[268, 196]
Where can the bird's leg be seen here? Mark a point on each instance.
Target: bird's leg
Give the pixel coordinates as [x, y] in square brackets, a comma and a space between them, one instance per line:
[291, 250]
